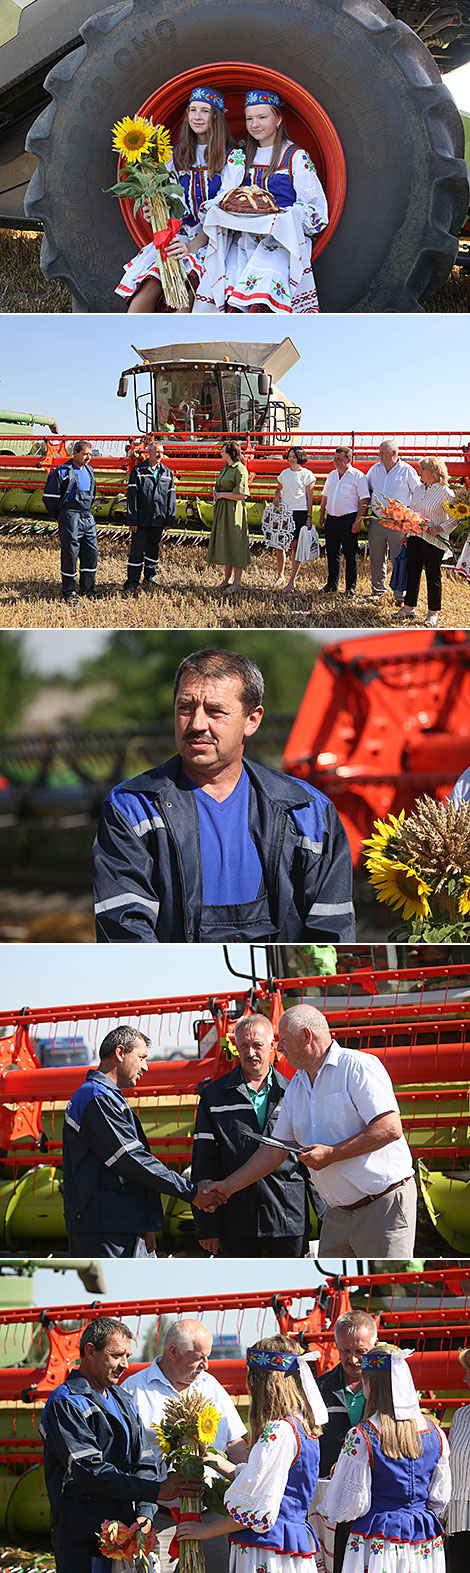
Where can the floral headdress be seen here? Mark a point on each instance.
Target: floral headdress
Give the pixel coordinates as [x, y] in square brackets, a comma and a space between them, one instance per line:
[287, 1364]
[404, 1395]
[260, 95]
[207, 95]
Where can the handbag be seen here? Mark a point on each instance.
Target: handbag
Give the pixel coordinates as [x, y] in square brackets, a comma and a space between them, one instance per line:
[308, 545]
[278, 525]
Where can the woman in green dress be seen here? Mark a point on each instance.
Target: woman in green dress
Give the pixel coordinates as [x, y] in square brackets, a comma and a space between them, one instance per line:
[228, 544]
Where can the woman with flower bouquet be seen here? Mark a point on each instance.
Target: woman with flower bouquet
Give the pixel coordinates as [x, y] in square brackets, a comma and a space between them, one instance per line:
[392, 1478]
[268, 1501]
[430, 501]
[198, 161]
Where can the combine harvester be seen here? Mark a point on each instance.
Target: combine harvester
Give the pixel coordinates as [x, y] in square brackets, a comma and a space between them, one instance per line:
[416, 1020]
[429, 1309]
[384, 719]
[194, 397]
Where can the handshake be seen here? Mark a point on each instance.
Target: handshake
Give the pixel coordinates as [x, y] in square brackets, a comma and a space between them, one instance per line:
[211, 1194]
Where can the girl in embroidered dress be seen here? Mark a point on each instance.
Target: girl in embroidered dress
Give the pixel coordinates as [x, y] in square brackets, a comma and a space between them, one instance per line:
[199, 159]
[269, 1498]
[264, 264]
[392, 1477]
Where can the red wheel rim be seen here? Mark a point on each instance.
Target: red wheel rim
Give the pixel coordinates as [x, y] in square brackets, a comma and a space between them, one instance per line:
[307, 124]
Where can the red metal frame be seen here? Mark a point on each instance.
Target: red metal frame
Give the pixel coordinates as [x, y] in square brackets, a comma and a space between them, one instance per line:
[433, 1368]
[419, 1041]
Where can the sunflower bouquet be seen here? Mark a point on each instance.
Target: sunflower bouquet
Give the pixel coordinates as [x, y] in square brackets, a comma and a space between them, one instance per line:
[185, 1434]
[459, 511]
[146, 150]
[421, 865]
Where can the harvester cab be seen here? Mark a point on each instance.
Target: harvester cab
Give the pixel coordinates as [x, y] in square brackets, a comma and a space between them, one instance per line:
[199, 390]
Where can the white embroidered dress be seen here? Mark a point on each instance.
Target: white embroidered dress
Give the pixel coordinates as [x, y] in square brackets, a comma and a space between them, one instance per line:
[197, 188]
[254, 1499]
[349, 1496]
[263, 261]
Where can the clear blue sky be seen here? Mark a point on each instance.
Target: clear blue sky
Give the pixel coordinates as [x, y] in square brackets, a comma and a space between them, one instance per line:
[173, 1278]
[379, 372]
[37, 975]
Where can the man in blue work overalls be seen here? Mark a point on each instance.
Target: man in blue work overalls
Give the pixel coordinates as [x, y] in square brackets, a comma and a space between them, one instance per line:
[69, 494]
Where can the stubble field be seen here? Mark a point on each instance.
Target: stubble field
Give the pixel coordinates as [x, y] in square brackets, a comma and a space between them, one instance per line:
[188, 596]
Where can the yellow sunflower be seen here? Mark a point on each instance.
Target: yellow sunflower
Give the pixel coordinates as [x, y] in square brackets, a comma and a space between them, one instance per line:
[133, 138]
[163, 147]
[458, 510]
[383, 833]
[401, 886]
[207, 1423]
[160, 1438]
[464, 900]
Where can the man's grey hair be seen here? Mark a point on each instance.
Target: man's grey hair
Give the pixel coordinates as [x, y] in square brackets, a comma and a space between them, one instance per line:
[300, 1016]
[351, 1321]
[256, 1020]
[183, 1333]
[390, 443]
[126, 1036]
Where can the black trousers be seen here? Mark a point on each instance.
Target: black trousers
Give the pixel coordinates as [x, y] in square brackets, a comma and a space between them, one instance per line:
[97, 1245]
[281, 1245]
[78, 540]
[76, 1558]
[339, 537]
[421, 555]
[458, 1552]
[144, 552]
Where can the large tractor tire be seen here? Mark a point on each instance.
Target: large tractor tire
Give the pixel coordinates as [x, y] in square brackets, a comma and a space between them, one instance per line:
[398, 127]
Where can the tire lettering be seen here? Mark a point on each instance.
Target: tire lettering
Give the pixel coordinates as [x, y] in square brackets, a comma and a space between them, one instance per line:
[166, 31]
[123, 59]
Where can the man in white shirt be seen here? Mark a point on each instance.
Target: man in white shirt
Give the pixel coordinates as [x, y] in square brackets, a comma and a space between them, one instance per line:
[460, 793]
[389, 477]
[182, 1368]
[341, 1110]
[345, 498]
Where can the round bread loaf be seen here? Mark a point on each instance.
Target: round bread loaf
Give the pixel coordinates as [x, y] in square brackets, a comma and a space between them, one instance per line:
[249, 199]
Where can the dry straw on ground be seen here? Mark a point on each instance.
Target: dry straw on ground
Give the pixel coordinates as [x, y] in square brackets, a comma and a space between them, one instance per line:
[22, 285]
[24, 288]
[188, 596]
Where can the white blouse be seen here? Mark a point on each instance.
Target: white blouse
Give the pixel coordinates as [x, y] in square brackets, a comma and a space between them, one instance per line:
[255, 1496]
[430, 501]
[349, 1493]
[458, 1517]
[294, 487]
[309, 194]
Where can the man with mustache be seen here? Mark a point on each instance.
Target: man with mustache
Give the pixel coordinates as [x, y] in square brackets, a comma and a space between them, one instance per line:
[212, 847]
[232, 1111]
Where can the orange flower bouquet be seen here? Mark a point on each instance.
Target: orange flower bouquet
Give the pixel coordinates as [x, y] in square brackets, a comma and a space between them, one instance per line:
[124, 1543]
[398, 516]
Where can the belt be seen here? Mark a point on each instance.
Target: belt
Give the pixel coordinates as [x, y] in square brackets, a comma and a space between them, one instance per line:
[366, 1200]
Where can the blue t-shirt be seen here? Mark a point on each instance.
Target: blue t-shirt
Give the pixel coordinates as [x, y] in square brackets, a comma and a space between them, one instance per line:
[231, 867]
[81, 486]
[109, 1402]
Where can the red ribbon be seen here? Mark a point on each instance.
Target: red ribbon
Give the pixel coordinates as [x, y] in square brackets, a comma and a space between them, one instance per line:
[163, 237]
[181, 1518]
